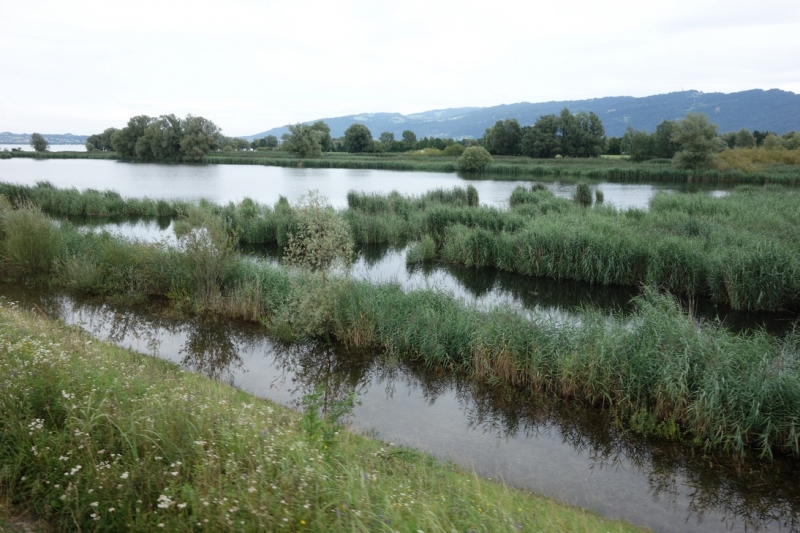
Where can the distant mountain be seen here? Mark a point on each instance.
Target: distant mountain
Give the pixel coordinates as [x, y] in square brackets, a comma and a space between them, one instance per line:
[6, 137]
[773, 110]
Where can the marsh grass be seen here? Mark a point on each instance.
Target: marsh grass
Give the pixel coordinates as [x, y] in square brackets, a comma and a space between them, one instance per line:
[583, 194]
[656, 368]
[31, 242]
[111, 440]
[88, 203]
[741, 250]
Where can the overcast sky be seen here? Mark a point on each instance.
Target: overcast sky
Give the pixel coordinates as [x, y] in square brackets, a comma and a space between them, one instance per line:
[251, 65]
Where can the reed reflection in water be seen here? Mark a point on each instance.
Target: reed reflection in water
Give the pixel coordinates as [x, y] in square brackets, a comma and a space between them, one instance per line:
[528, 440]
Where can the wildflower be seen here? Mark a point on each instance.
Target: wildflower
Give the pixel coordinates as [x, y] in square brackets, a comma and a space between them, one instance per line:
[164, 502]
[111, 509]
[94, 504]
[124, 475]
[181, 505]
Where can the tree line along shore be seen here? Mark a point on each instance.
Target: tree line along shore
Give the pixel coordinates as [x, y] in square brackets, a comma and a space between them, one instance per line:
[692, 143]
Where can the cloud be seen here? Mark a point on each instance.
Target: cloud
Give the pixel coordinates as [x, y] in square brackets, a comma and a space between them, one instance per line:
[254, 65]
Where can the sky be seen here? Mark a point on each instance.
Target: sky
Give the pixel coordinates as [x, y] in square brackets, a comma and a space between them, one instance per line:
[251, 65]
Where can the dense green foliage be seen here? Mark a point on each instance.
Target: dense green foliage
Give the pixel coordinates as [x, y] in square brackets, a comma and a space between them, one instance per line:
[474, 159]
[303, 141]
[697, 142]
[166, 138]
[358, 138]
[566, 135]
[101, 141]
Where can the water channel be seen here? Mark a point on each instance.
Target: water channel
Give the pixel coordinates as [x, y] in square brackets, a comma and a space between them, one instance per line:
[574, 455]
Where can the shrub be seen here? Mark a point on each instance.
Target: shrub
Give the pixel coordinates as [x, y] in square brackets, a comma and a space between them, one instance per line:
[474, 159]
[454, 150]
[583, 194]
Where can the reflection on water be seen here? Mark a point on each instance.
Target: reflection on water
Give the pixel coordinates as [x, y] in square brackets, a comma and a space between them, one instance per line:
[570, 453]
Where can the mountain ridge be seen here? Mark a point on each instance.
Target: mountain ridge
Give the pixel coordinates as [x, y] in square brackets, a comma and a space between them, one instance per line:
[755, 109]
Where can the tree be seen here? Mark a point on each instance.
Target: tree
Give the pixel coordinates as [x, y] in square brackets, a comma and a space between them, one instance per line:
[663, 145]
[791, 140]
[772, 143]
[358, 138]
[124, 141]
[503, 138]
[591, 135]
[744, 139]
[760, 136]
[39, 143]
[386, 138]
[200, 136]
[303, 140]
[638, 145]
[161, 140]
[102, 141]
[325, 140]
[541, 140]
[613, 146]
[409, 140]
[474, 159]
[696, 138]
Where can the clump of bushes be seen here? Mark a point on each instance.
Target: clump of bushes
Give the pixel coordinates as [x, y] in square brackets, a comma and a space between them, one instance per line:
[474, 159]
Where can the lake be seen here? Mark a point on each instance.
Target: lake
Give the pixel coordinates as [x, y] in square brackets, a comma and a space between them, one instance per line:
[232, 183]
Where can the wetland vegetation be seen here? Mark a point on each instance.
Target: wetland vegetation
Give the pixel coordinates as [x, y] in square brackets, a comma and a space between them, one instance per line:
[658, 370]
[112, 440]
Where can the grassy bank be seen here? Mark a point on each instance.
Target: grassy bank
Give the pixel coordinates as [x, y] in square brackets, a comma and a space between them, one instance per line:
[657, 369]
[64, 155]
[112, 440]
[506, 167]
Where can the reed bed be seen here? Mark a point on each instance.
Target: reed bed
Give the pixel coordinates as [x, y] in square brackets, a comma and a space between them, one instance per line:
[740, 250]
[65, 155]
[90, 202]
[659, 370]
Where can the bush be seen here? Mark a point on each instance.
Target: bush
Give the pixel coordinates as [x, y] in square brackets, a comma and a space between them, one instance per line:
[454, 150]
[474, 159]
[583, 194]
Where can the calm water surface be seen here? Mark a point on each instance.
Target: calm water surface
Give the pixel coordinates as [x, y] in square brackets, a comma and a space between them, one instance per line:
[51, 148]
[232, 183]
[574, 455]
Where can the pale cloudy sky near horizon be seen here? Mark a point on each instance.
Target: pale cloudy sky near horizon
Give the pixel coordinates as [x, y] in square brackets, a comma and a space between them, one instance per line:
[251, 65]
